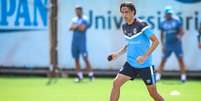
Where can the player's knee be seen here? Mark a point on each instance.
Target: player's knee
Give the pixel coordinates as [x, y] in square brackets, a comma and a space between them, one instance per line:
[116, 84]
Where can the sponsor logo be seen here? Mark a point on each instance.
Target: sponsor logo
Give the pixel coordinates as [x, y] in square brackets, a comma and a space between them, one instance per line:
[23, 15]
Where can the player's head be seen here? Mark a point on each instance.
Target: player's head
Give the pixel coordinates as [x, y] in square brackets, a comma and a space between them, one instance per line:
[127, 10]
[168, 12]
[79, 10]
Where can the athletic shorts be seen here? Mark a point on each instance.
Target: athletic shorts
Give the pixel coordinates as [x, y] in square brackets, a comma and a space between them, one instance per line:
[79, 49]
[147, 74]
[176, 49]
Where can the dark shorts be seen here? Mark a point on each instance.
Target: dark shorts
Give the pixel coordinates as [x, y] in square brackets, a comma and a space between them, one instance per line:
[79, 49]
[176, 49]
[147, 74]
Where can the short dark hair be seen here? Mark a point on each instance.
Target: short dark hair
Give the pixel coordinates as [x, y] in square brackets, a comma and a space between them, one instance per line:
[130, 5]
[78, 7]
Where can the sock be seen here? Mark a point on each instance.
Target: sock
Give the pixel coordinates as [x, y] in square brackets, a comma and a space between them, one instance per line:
[158, 76]
[183, 76]
[80, 75]
[90, 74]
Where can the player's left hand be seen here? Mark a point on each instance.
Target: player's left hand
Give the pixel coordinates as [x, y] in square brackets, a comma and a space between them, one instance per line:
[141, 59]
[200, 45]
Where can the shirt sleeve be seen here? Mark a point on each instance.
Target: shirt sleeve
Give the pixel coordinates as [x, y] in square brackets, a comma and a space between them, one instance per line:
[86, 21]
[73, 20]
[148, 31]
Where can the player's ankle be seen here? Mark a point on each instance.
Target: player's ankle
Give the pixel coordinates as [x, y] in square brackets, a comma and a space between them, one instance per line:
[183, 77]
[80, 75]
[91, 76]
[158, 76]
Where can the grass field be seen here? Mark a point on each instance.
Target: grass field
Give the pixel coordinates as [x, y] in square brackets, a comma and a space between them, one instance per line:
[36, 89]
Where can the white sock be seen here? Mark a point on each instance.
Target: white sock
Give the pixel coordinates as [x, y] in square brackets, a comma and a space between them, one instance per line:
[90, 74]
[80, 74]
[183, 76]
[158, 76]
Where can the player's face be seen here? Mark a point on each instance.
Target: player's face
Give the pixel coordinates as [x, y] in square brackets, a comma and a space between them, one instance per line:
[127, 14]
[78, 12]
[168, 15]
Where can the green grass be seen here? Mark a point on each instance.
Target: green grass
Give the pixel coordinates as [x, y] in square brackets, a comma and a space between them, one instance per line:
[36, 89]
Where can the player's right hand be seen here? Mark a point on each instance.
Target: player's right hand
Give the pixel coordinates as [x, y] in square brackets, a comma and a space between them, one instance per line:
[112, 56]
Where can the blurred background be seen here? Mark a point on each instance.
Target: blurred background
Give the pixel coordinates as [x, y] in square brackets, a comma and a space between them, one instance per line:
[35, 37]
[35, 33]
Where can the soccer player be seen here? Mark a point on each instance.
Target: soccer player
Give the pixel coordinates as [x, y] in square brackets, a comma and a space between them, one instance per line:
[171, 34]
[199, 38]
[139, 61]
[79, 27]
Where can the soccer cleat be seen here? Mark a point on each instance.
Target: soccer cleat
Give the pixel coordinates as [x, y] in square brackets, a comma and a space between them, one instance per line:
[183, 81]
[91, 78]
[78, 79]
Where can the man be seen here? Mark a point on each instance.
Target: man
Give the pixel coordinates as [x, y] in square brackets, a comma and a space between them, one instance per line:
[138, 35]
[79, 27]
[171, 34]
[199, 38]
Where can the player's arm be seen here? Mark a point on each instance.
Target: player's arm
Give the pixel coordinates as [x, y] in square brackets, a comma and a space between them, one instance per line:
[154, 45]
[162, 37]
[82, 27]
[199, 38]
[73, 27]
[199, 35]
[120, 52]
[180, 32]
[162, 40]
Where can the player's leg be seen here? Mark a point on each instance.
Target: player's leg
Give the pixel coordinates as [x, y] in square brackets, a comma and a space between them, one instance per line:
[75, 53]
[160, 69]
[78, 70]
[154, 93]
[84, 54]
[88, 67]
[127, 72]
[166, 55]
[117, 83]
[179, 54]
[148, 76]
[183, 69]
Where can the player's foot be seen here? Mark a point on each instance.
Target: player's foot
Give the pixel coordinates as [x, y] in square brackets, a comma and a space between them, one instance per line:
[91, 78]
[183, 81]
[78, 79]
